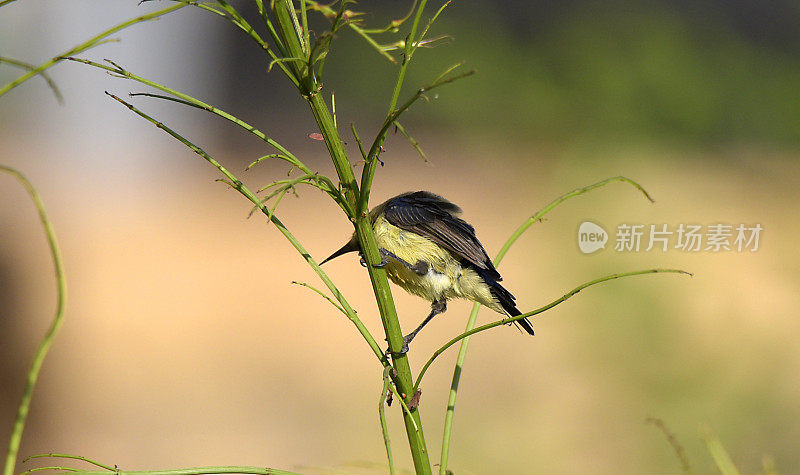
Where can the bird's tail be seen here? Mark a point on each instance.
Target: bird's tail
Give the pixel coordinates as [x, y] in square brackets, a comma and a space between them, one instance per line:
[524, 323]
[507, 301]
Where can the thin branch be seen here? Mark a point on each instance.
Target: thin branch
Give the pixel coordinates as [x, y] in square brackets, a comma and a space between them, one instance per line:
[73, 457]
[414, 143]
[323, 295]
[368, 173]
[421, 39]
[721, 457]
[365, 34]
[462, 352]
[539, 310]
[382, 416]
[194, 3]
[196, 103]
[358, 141]
[49, 336]
[319, 182]
[241, 188]
[232, 469]
[54, 468]
[30, 67]
[95, 41]
[267, 157]
[579, 191]
[673, 441]
[281, 193]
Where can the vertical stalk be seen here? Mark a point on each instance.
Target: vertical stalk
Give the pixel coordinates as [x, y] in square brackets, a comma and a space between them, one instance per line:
[380, 284]
[368, 173]
[287, 20]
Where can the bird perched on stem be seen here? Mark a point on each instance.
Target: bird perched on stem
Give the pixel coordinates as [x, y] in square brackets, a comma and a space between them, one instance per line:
[430, 252]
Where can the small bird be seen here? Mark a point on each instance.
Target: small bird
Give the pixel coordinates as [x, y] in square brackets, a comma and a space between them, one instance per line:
[430, 252]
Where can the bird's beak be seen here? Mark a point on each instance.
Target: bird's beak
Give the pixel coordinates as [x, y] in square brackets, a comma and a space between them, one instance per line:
[351, 246]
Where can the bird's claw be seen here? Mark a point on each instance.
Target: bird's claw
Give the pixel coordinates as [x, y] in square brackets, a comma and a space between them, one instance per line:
[403, 350]
[382, 263]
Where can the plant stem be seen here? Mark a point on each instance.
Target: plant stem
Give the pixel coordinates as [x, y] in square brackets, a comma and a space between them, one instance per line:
[47, 340]
[288, 25]
[245, 191]
[539, 310]
[462, 352]
[380, 284]
[368, 172]
[85, 46]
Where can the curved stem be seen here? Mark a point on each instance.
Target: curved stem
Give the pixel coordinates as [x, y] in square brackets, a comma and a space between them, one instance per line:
[86, 45]
[539, 310]
[241, 188]
[462, 352]
[30, 67]
[47, 340]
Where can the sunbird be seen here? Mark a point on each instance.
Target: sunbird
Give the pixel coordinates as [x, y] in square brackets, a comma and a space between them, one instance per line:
[430, 252]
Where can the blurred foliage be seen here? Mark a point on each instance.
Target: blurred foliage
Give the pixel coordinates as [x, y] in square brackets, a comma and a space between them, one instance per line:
[674, 72]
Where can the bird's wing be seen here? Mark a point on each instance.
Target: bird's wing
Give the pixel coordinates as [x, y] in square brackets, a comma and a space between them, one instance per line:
[432, 216]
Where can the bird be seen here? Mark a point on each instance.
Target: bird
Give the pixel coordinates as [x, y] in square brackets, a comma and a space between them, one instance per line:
[429, 251]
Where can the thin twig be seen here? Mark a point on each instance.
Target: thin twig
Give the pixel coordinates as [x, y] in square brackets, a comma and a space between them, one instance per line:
[49, 336]
[462, 352]
[382, 416]
[91, 43]
[539, 310]
[245, 191]
[673, 441]
[30, 67]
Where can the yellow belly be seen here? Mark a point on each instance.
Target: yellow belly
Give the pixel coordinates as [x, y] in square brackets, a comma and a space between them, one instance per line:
[445, 279]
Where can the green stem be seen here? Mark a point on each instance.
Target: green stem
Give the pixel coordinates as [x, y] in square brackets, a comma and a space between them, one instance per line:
[85, 46]
[236, 18]
[579, 191]
[380, 284]
[181, 471]
[462, 352]
[193, 102]
[288, 26]
[241, 188]
[109, 470]
[382, 417]
[368, 173]
[721, 456]
[30, 67]
[539, 310]
[47, 340]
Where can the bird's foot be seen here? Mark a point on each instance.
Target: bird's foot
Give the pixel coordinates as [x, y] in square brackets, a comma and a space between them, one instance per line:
[406, 340]
[384, 259]
[420, 268]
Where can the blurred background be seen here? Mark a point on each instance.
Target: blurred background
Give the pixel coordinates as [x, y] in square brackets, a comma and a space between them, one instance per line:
[185, 343]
